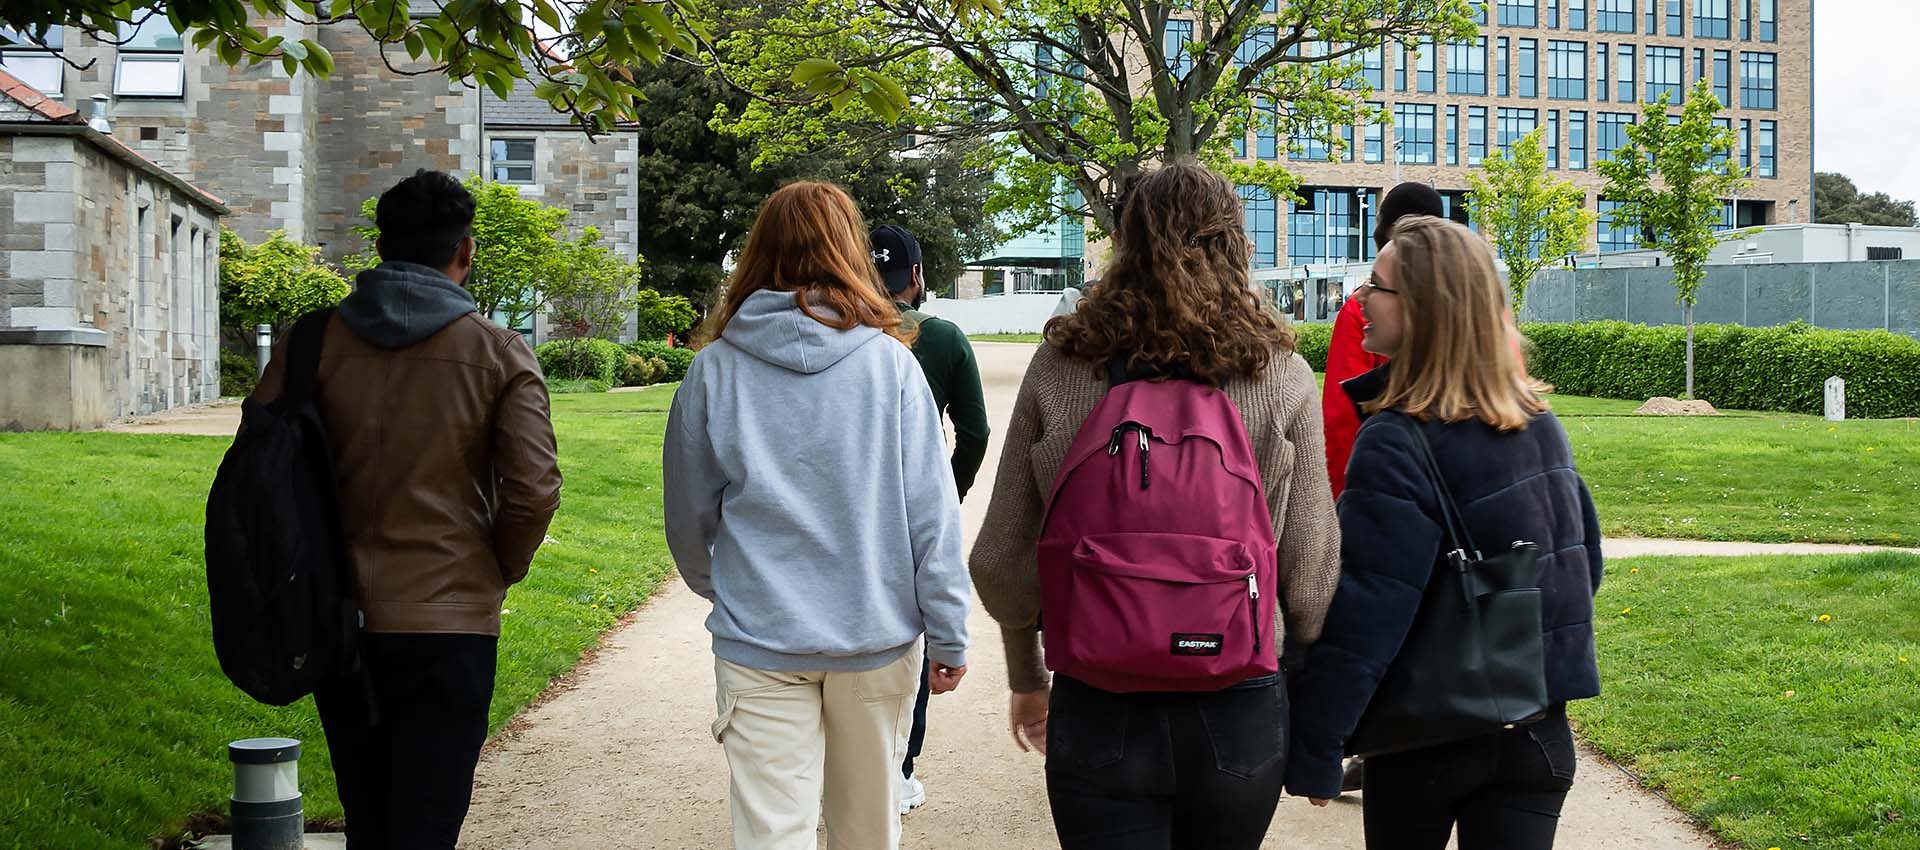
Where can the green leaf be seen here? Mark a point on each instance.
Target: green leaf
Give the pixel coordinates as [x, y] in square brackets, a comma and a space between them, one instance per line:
[662, 26]
[811, 69]
[319, 59]
[881, 106]
[548, 15]
[415, 46]
[295, 49]
[289, 64]
[501, 83]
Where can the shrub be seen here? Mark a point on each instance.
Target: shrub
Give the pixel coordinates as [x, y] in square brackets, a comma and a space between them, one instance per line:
[274, 282]
[1311, 341]
[677, 359]
[237, 374]
[1782, 368]
[660, 315]
[641, 370]
[581, 359]
[565, 386]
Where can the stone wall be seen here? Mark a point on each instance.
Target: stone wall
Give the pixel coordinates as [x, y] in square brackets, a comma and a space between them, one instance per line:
[116, 258]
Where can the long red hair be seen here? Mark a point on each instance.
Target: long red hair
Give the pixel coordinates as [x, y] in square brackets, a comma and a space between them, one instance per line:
[810, 239]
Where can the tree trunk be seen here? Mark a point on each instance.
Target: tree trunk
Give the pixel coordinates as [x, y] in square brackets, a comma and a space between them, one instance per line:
[1689, 351]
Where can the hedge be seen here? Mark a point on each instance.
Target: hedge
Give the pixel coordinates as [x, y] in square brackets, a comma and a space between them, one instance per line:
[1783, 368]
[581, 359]
[1311, 341]
[238, 374]
[677, 359]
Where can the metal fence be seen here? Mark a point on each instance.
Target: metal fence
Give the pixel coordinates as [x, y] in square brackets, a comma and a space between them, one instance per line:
[1844, 296]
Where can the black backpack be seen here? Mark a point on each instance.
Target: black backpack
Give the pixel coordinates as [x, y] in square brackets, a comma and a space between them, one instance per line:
[285, 620]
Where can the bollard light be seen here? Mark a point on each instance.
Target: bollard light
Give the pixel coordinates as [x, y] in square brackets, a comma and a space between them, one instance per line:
[263, 346]
[267, 809]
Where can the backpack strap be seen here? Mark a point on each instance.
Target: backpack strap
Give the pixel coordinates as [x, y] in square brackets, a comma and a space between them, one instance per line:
[302, 377]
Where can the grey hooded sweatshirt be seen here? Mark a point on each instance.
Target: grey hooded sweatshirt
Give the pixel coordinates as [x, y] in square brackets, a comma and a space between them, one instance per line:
[808, 496]
[395, 304]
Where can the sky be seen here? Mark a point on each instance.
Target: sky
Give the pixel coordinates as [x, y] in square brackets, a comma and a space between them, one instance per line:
[1866, 103]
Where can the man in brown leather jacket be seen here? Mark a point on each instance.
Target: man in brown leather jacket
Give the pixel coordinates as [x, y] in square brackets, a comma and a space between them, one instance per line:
[444, 451]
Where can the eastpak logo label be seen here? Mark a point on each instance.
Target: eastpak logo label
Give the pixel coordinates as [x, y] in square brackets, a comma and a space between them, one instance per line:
[1185, 643]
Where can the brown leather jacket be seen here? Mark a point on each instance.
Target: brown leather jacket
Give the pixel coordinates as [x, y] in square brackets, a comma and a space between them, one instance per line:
[445, 455]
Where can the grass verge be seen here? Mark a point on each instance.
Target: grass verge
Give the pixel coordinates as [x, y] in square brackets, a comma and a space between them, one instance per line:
[114, 715]
[1777, 699]
[1035, 339]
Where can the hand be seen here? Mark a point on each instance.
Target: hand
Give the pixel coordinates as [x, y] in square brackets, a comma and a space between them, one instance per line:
[942, 679]
[1027, 718]
[1318, 802]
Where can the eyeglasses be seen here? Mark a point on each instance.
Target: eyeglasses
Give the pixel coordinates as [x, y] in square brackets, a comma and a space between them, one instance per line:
[1375, 286]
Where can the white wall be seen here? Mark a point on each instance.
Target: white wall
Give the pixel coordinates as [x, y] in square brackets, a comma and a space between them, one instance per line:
[1019, 313]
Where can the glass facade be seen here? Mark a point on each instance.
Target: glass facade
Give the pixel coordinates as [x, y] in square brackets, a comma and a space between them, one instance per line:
[1614, 15]
[1614, 238]
[1500, 62]
[1262, 222]
[1577, 141]
[1467, 66]
[1553, 138]
[1623, 69]
[1413, 127]
[1453, 135]
[1476, 135]
[1527, 67]
[1664, 74]
[1520, 13]
[1330, 226]
[1764, 165]
[1711, 19]
[1723, 76]
[1514, 125]
[1577, 15]
[1567, 70]
[1610, 129]
[1179, 61]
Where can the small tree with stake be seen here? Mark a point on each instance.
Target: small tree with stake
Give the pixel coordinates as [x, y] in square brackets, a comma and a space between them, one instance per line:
[1670, 180]
[1531, 218]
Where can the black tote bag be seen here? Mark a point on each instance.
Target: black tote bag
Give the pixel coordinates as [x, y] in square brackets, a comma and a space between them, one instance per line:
[1474, 661]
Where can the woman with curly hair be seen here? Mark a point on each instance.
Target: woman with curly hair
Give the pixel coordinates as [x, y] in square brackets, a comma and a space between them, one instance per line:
[1143, 768]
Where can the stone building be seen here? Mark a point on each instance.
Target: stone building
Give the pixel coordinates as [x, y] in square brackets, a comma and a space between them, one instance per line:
[109, 300]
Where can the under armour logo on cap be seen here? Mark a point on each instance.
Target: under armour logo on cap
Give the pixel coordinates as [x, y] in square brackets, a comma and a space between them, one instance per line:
[884, 255]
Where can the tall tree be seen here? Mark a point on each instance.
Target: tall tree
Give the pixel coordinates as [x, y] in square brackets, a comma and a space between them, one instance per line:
[1672, 180]
[1077, 95]
[1531, 219]
[1837, 201]
[701, 187]
[590, 290]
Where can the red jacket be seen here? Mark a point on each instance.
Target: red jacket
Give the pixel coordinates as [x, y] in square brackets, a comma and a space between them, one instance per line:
[1345, 359]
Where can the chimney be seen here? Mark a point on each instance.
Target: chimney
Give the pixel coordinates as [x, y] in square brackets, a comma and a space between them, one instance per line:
[100, 123]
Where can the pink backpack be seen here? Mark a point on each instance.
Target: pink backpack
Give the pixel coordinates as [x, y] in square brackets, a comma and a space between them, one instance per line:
[1157, 560]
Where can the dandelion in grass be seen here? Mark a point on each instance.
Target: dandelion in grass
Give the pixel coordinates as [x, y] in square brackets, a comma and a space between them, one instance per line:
[1634, 571]
[1626, 610]
[1826, 618]
[592, 572]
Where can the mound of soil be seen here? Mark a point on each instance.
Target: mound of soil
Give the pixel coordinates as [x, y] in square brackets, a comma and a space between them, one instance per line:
[1663, 406]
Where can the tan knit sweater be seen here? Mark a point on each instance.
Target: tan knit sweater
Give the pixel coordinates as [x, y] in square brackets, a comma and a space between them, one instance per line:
[1282, 414]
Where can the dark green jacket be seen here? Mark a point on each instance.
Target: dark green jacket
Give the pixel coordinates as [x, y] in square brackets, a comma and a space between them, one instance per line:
[954, 376]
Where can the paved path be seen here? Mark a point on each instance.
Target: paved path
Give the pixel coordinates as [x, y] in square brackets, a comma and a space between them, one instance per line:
[623, 758]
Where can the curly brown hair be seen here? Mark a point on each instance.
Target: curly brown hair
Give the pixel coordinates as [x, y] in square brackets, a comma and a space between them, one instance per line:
[1178, 295]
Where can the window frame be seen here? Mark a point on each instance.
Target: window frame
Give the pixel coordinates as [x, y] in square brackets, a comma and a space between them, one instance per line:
[1566, 70]
[1578, 144]
[1751, 89]
[1526, 57]
[1476, 136]
[1672, 68]
[1616, 16]
[496, 164]
[138, 48]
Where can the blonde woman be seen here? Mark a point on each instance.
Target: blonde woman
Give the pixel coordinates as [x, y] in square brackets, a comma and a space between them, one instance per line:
[809, 499]
[1435, 306]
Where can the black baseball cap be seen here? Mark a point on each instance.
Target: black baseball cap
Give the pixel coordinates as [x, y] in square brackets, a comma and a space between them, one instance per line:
[895, 253]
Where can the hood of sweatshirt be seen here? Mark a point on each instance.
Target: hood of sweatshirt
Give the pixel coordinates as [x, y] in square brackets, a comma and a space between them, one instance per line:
[395, 305]
[771, 327]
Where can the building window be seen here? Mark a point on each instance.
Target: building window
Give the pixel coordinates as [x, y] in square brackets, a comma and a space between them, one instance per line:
[1623, 69]
[150, 62]
[1553, 138]
[1745, 153]
[1577, 141]
[1720, 157]
[1577, 15]
[1699, 66]
[1768, 25]
[1529, 67]
[1757, 80]
[1179, 61]
[1453, 135]
[1328, 227]
[1373, 67]
[1480, 11]
[1467, 67]
[1600, 88]
[1266, 143]
[1500, 58]
[1515, 124]
[1413, 131]
[1676, 22]
[1567, 70]
[512, 160]
[1613, 238]
[1520, 13]
[1423, 67]
[1476, 135]
[36, 65]
[1614, 16]
[1262, 221]
[1611, 128]
[1309, 144]
[1375, 134]
[1653, 17]
[1711, 19]
[1768, 136]
[1258, 41]
[1723, 76]
[1553, 14]
[1664, 74]
[1400, 69]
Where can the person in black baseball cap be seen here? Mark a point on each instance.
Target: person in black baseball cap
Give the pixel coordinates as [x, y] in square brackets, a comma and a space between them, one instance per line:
[953, 374]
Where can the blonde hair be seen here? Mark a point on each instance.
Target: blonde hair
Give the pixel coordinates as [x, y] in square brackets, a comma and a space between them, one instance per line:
[1456, 360]
[809, 238]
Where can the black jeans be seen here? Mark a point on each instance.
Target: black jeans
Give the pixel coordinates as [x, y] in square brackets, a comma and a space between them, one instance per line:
[1505, 790]
[918, 737]
[1165, 771]
[405, 770]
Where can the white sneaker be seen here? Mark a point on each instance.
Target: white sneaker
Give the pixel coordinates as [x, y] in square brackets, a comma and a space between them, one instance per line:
[913, 794]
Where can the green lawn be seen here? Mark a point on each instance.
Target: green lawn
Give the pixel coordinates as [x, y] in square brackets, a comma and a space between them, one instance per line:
[113, 712]
[1725, 688]
[1035, 339]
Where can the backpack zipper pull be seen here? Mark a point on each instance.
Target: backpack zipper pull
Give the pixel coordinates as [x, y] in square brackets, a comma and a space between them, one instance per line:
[1253, 604]
[1143, 459]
